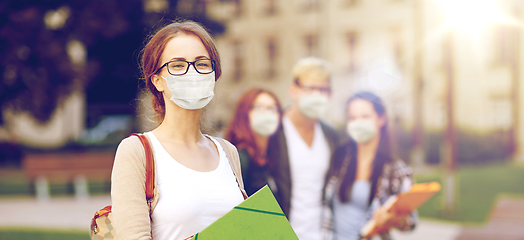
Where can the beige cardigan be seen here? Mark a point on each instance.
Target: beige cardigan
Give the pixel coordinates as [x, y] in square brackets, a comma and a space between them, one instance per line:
[130, 210]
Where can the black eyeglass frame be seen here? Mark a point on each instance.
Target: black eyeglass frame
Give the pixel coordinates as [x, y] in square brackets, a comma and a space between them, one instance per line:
[213, 65]
[319, 89]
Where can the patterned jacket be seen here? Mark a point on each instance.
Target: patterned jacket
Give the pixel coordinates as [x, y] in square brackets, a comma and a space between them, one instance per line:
[396, 178]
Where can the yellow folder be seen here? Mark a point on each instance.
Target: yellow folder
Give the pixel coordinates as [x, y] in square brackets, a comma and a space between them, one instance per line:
[404, 202]
[258, 217]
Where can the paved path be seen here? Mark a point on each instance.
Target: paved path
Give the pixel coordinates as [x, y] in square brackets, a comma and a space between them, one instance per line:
[506, 222]
[429, 230]
[69, 213]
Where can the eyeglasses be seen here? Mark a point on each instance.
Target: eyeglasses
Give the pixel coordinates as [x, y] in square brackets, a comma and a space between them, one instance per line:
[180, 67]
[326, 90]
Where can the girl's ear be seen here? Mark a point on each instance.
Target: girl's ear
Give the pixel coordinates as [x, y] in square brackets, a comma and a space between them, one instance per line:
[158, 82]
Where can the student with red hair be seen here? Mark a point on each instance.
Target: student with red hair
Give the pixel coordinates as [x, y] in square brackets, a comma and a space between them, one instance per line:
[256, 118]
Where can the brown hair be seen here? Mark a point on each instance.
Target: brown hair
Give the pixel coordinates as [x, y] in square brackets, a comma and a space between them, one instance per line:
[384, 151]
[239, 130]
[152, 52]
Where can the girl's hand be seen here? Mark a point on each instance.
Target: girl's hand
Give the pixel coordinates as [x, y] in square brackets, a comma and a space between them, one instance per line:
[385, 219]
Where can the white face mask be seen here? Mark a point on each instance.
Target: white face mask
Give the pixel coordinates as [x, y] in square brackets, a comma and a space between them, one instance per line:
[362, 131]
[313, 105]
[191, 90]
[264, 123]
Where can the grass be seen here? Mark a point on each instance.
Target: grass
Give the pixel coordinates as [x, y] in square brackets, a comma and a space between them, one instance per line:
[476, 191]
[41, 234]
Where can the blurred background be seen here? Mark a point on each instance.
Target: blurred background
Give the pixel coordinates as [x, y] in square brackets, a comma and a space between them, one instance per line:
[448, 70]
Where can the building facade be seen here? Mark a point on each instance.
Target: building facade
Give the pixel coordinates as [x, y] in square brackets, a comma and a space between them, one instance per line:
[431, 75]
[264, 39]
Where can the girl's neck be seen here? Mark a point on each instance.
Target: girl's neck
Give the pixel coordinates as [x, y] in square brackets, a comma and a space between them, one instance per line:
[367, 151]
[180, 125]
[261, 143]
[299, 120]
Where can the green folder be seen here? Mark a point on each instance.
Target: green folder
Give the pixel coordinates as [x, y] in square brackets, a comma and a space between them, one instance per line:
[258, 217]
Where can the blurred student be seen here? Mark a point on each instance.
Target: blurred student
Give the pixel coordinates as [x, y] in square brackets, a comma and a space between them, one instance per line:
[365, 173]
[194, 181]
[256, 118]
[300, 152]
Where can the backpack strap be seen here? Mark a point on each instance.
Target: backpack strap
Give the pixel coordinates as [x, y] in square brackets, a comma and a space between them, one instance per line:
[234, 162]
[150, 166]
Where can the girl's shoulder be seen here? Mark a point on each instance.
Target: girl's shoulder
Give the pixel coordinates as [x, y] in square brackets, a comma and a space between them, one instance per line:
[225, 144]
[131, 141]
[398, 168]
[131, 148]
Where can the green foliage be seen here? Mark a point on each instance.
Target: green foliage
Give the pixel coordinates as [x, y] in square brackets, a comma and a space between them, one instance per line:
[35, 68]
[30, 234]
[472, 147]
[14, 183]
[36, 72]
[475, 148]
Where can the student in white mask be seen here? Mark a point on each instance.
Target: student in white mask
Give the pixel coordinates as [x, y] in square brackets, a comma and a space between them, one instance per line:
[364, 174]
[300, 152]
[197, 177]
[257, 117]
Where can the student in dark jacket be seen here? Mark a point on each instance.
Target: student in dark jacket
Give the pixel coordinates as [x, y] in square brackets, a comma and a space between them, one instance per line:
[257, 116]
[300, 151]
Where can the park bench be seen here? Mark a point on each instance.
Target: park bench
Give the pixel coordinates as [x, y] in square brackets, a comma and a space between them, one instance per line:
[75, 168]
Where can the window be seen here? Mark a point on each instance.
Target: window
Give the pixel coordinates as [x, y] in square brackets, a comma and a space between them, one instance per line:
[505, 37]
[269, 7]
[352, 44]
[271, 56]
[238, 61]
[398, 48]
[349, 3]
[500, 111]
[312, 45]
[238, 8]
[309, 5]
[438, 114]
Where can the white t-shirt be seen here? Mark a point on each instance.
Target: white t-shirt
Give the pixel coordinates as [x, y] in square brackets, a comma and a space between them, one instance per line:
[308, 167]
[190, 200]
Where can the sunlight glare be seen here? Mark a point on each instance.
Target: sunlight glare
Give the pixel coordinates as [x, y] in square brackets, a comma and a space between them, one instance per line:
[471, 16]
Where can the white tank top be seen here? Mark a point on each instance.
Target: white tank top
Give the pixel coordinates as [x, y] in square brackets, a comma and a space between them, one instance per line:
[190, 200]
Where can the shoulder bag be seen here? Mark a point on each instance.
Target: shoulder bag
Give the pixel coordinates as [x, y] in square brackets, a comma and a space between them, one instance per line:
[101, 224]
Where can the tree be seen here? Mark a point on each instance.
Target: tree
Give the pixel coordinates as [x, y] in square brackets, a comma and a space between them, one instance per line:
[36, 71]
